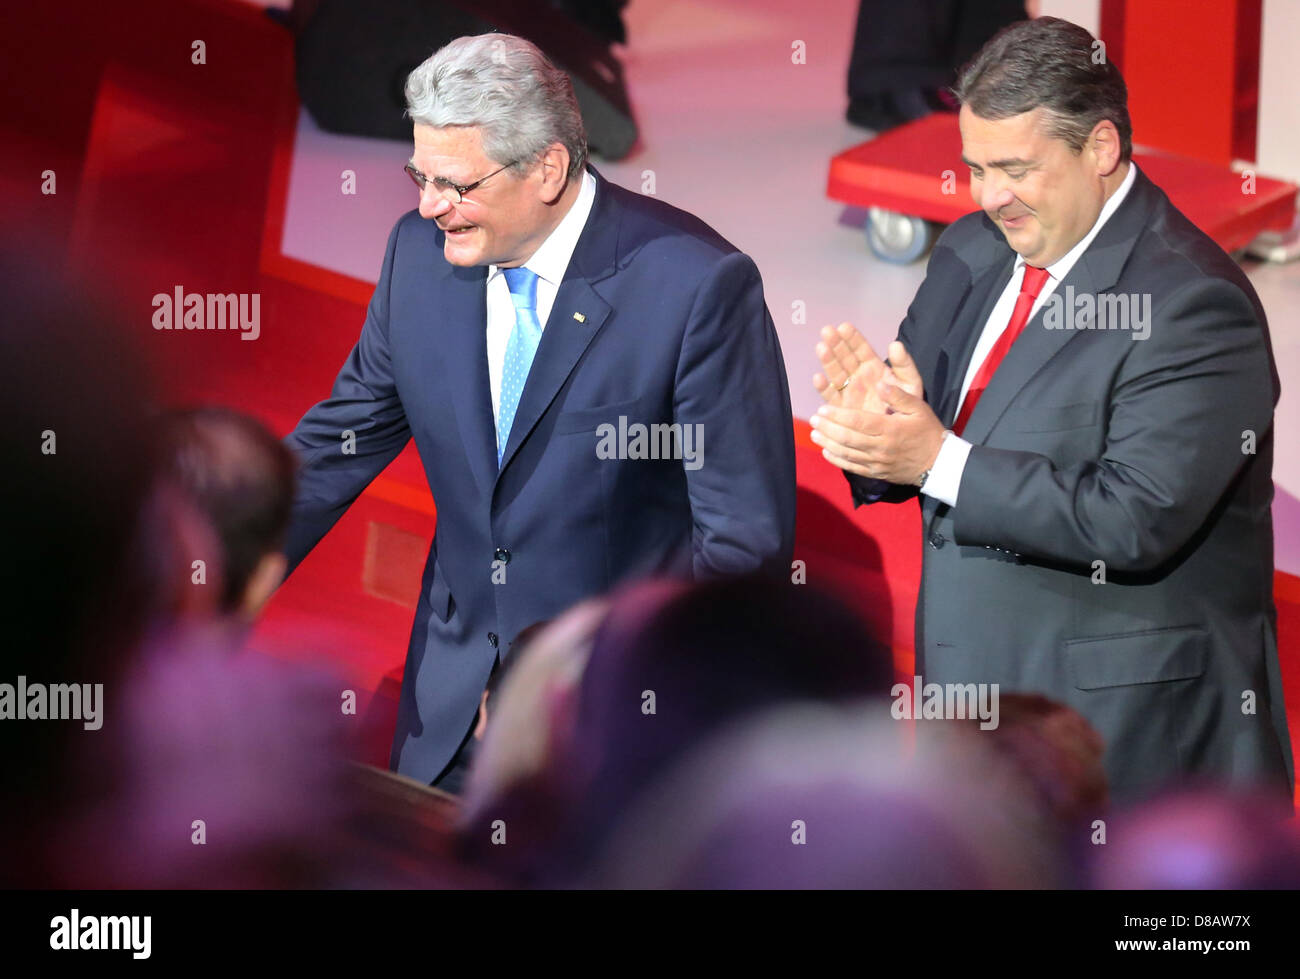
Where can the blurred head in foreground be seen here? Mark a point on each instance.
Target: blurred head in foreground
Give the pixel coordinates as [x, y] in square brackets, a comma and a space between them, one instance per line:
[669, 664]
[231, 774]
[185, 768]
[1200, 838]
[818, 796]
[706, 655]
[515, 768]
[240, 479]
[1058, 750]
[532, 709]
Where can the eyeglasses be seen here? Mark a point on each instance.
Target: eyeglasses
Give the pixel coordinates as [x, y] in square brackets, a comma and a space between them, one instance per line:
[454, 193]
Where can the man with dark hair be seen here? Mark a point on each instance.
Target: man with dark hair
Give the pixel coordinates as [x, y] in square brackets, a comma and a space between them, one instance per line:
[1081, 395]
[240, 478]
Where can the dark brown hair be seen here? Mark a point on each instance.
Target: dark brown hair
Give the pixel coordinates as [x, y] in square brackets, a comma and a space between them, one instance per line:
[1051, 64]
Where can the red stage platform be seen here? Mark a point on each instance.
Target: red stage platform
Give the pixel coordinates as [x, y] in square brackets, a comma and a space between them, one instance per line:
[916, 171]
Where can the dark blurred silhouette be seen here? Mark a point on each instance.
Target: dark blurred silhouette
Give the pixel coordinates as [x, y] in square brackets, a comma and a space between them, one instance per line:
[352, 60]
[604, 18]
[906, 55]
[75, 590]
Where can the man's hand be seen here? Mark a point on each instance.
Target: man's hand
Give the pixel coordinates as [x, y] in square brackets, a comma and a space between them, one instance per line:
[847, 356]
[897, 444]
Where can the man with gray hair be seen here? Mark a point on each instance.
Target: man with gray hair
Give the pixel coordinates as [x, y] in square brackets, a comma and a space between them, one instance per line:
[1094, 475]
[525, 311]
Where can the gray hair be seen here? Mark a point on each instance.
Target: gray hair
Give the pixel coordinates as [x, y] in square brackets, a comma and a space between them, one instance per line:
[505, 86]
[1054, 64]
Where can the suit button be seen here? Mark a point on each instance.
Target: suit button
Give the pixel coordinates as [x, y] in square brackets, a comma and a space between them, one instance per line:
[492, 639]
[937, 540]
[503, 555]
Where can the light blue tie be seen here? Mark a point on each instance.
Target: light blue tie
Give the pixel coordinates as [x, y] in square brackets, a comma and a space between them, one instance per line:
[519, 350]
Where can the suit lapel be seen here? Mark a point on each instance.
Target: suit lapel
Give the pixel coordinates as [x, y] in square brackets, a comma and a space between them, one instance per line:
[563, 341]
[576, 317]
[983, 286]
[955, 354]
[463, 303]
[1034, 347]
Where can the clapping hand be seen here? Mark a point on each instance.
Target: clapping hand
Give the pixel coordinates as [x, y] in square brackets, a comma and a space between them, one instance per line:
[875, 421]
[853, 371]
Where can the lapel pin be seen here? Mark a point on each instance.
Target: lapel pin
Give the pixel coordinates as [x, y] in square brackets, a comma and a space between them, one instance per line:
[579, 317]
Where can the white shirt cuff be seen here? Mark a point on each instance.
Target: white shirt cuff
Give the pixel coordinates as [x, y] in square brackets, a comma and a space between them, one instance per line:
[945, 475]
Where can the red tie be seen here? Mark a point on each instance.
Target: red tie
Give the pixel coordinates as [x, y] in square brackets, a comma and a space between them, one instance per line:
[1029, 289]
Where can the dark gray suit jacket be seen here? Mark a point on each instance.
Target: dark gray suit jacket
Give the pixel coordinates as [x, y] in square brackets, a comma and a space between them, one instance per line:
[1092, 445]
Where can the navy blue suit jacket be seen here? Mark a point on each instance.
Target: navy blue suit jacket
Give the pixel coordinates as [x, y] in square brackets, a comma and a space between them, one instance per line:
[658, 320]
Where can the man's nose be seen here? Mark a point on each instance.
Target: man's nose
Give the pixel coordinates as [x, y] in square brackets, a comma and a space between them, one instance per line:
[432, 203]
[995, 195]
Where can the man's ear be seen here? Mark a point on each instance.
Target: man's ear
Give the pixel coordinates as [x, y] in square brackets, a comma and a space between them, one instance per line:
[1105, 146]
[262, 583]
[554, 168]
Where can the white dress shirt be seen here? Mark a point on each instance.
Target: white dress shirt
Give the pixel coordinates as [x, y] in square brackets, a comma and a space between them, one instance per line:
[549, 263]
[945, 476]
